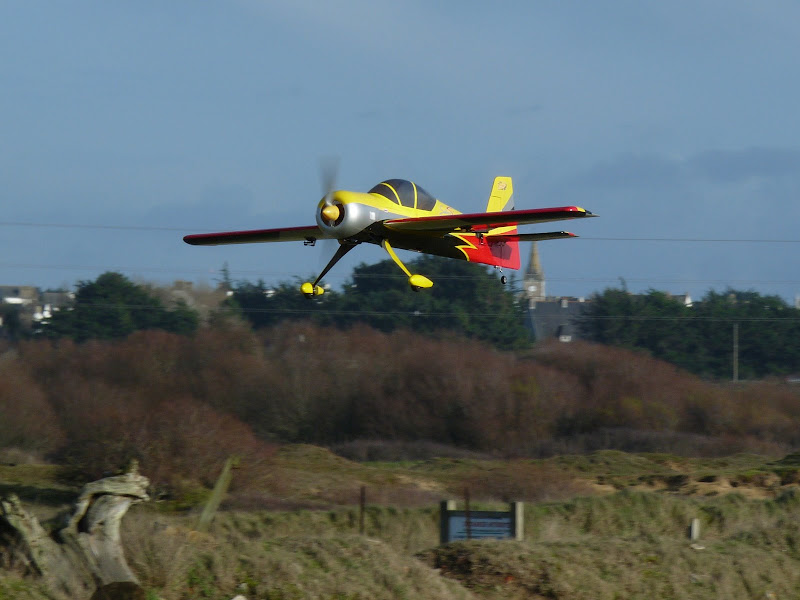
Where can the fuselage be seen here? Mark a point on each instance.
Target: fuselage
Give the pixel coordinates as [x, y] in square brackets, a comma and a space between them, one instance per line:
[361, 210]
[358, 217]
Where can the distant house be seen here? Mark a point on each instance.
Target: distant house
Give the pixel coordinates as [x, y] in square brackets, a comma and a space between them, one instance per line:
[684, 299]
[22, 300]
[202, 298]
[21, 295]
[557, 317]
[549, 317]
[33, 305]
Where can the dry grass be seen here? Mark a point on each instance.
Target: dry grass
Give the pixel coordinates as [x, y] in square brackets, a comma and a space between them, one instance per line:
[627, 544]
[611, 569]
[310, 555]
[624, 545]
[633, 545]
[16, 588]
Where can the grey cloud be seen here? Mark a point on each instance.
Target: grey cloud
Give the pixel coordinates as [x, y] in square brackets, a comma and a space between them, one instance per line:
[716, 166]
[738, 165]
[523, 109]
[633, 171]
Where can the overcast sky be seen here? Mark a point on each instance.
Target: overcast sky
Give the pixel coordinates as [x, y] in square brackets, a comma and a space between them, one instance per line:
[673, 120]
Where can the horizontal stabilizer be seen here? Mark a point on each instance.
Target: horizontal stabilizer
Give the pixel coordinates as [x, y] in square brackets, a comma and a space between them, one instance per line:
[529, 237]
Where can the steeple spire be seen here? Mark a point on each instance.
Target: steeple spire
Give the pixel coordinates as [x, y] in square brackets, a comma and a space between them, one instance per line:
[534, 277]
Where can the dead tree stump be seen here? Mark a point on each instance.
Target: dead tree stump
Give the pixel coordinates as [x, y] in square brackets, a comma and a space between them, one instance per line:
[87, 554]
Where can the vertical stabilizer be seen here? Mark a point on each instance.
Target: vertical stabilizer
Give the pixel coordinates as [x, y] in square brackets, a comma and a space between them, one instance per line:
[505, 253]
[502, 196]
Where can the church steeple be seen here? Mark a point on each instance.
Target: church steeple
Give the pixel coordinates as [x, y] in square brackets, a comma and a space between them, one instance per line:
[534, 278]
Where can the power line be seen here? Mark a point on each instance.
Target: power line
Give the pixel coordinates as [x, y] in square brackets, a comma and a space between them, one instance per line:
[585, 238]
[91, 226]
[180, 271]
[723, 240]
[420, 314]
[263, 273]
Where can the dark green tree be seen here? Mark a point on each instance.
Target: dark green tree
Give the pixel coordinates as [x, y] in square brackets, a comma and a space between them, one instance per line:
[112, 306]
[264, 306]
[768, 332]
[700, 338]
[10, 322]
[465, 299]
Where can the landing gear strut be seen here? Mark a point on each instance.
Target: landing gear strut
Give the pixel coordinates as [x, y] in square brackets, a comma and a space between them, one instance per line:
[417, 282]
[310, 290]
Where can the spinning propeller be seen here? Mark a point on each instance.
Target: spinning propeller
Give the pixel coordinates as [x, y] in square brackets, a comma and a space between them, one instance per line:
[331, 213]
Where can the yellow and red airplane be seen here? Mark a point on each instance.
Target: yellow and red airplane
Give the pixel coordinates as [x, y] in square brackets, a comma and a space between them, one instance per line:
[397, 213]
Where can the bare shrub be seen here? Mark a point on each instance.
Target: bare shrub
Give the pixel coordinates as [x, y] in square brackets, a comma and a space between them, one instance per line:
[27, 421]
[130, 399]
[165, 398]
[400, 450]
[522, 480]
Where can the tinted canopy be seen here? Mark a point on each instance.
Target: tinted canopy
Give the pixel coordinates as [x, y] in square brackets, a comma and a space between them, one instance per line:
[405, 193]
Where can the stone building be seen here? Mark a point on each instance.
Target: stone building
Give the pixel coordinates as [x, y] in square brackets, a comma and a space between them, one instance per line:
[549, 317]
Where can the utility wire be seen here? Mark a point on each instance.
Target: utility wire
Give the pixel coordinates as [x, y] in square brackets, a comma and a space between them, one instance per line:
[422, 314]
[724, 240]
[92, 226]
[204, 230]
[263, 273]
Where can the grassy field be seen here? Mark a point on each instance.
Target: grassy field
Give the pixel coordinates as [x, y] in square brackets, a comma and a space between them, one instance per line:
[607, 525]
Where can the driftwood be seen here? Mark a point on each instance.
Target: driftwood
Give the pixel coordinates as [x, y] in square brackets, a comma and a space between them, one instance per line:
[85, 557]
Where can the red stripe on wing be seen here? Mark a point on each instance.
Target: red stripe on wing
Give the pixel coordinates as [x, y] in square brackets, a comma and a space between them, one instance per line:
[476, 221]
[283, 234]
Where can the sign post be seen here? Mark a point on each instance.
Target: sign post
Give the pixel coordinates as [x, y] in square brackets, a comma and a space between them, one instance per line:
[480, 524]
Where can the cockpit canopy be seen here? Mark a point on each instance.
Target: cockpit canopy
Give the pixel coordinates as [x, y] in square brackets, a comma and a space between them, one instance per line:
[405, 193]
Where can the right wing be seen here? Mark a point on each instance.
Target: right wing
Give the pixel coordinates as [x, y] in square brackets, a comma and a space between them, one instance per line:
[481, 221]
[283, 234]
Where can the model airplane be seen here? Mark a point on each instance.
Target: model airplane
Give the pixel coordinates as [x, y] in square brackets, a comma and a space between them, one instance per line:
[399, 214]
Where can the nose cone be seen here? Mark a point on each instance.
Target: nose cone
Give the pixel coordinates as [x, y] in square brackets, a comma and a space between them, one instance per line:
[331, 213]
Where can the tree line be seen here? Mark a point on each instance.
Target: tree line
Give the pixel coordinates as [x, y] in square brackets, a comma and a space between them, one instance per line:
[466, 301]
[700, 338]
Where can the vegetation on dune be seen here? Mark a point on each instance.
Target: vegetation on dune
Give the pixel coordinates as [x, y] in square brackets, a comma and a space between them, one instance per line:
[630, 545]
[120, 379]
[182, 405]
[15, 587]
[631, 542]
[276, 556]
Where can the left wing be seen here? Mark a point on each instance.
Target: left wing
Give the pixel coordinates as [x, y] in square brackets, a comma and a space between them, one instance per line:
[484, 221]
[283, 234]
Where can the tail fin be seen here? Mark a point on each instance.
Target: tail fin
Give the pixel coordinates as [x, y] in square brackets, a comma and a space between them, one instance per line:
[504, 251]
[502, 196]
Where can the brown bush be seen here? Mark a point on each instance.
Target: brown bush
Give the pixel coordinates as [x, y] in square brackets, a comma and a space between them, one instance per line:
[181, 404]
[27, 421]
[522, 480]
[128, 399]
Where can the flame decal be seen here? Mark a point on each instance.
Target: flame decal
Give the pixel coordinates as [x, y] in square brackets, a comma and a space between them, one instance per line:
[498, 253]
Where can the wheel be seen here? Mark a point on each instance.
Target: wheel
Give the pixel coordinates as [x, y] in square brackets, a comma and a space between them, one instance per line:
[503, 279]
